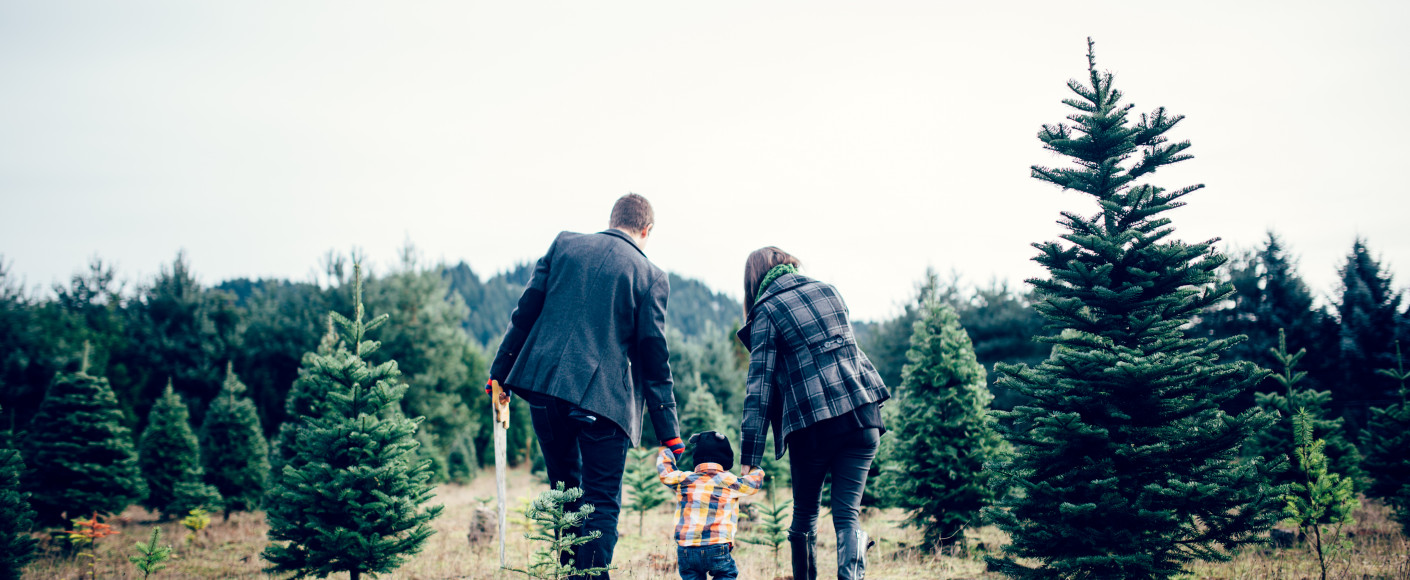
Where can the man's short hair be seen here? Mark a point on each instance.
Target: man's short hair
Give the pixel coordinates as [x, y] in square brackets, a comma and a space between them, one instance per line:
[632, 213]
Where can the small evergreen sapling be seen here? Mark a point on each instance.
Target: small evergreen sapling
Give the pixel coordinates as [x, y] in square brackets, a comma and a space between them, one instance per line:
[16, 517]
[772, 530]
[151, 557]
[350, 498]
[233, 447]
[1277, 442]
[553, 560]
[644, 484]
[171, 460]
[1320, 504]
[934, 469]
[1386, 442]
[81, 452]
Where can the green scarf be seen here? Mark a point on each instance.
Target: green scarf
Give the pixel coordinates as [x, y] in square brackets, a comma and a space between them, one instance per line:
[774, 274]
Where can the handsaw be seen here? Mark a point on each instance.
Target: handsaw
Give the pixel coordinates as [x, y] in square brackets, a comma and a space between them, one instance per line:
[501, 427]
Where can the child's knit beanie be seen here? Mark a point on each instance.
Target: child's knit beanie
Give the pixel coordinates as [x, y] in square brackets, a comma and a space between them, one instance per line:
[712, 447]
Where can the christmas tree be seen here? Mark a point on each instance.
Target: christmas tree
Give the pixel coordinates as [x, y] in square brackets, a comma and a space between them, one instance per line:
[81, 451]
[700, 414]
[16, 545]
[1368, 308]
[171, 460]
[307, 399]
[233, 447]
[1319, 502]
[644, 483]
[350, 499]
[1125, 465]
[1278, 441]
[943, 435]
[1386, 442]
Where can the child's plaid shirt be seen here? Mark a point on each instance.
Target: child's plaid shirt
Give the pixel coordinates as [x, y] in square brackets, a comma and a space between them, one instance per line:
[708, 499]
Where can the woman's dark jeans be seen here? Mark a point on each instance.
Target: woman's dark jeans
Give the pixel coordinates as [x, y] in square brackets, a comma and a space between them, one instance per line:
[847, 458]
[587, 455]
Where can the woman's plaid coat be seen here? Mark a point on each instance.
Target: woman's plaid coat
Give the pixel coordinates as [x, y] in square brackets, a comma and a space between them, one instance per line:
[804, 363]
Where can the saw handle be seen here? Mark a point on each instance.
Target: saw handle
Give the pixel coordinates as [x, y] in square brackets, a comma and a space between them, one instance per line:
[500, 399]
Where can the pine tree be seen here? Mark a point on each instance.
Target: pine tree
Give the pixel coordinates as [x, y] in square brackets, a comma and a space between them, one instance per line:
[233, 447]
[1125, 466]
[644, 484]
[1368, 311]
[773, 527]
[351, 497]
[82, 457]
[16, 517]
[943, 433]
[1278, 441]
[170, 458]
[550, 524]
[308, 399]
[1320, 502]
[700, 414]
[1386, 442]
[430, 347]
[1269, 299]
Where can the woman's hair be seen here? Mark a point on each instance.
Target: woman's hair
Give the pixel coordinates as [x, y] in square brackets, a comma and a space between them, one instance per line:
[757, 265]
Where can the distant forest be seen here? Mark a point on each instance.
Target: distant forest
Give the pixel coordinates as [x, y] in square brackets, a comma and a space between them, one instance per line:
[445, 321]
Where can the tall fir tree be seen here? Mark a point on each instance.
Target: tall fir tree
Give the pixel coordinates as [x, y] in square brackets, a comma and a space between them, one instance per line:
[1125, 465]
[1269, 299]
[431, 347]
[82, 458]
[943, 434]
[170, 457]
[1386, 443]
[351, 499]
[16, 517]
[1279, 441]
[182, 333]
[233, 448]
[700, 414]
[1368, 310]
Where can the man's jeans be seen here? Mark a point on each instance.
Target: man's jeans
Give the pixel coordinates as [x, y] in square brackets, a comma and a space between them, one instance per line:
[592, 456]
[696, 561]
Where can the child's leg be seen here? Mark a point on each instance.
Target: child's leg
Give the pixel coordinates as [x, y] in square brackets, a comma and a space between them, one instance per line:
[689, 563]
[722, 563]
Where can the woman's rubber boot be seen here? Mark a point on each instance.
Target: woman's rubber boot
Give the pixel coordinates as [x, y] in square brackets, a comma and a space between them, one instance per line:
[851, 554]
[805, 558]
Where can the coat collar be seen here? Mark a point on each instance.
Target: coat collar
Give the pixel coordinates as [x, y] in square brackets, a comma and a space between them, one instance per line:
[709, 468]
[624, 237]
[780, 285]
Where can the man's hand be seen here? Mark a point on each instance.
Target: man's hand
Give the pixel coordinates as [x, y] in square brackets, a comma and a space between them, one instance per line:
[675, 445]
[504, 394]
[748, 468]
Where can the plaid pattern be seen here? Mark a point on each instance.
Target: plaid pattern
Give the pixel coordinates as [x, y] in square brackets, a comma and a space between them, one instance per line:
[708, 497]
[804, 363]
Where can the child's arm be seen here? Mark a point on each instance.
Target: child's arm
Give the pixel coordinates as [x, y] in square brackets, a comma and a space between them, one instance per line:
[750, 483]
[666, 468]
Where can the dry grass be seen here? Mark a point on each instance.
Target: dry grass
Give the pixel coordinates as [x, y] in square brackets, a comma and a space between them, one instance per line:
[231, 549]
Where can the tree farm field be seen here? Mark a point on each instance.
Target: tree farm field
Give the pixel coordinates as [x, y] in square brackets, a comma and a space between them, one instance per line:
[230, 549]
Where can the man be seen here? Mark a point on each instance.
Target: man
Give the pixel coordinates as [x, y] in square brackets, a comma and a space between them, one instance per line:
[586, 348]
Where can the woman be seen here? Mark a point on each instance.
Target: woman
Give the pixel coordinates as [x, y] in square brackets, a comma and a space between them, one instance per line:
[808, 379]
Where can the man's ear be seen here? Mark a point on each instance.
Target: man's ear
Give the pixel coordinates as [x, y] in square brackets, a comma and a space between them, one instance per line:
[646, 231]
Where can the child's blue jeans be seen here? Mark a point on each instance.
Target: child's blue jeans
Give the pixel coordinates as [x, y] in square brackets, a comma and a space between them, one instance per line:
[696, 561]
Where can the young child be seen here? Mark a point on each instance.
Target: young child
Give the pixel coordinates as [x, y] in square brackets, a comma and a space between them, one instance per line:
[709, 505]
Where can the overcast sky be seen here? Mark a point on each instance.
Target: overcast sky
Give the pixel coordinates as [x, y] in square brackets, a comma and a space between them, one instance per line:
[872, 139]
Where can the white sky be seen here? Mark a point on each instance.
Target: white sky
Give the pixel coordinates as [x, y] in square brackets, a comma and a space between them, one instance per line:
[873, 139]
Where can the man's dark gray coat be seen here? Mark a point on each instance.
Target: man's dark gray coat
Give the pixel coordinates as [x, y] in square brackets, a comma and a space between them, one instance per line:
[590, 330]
